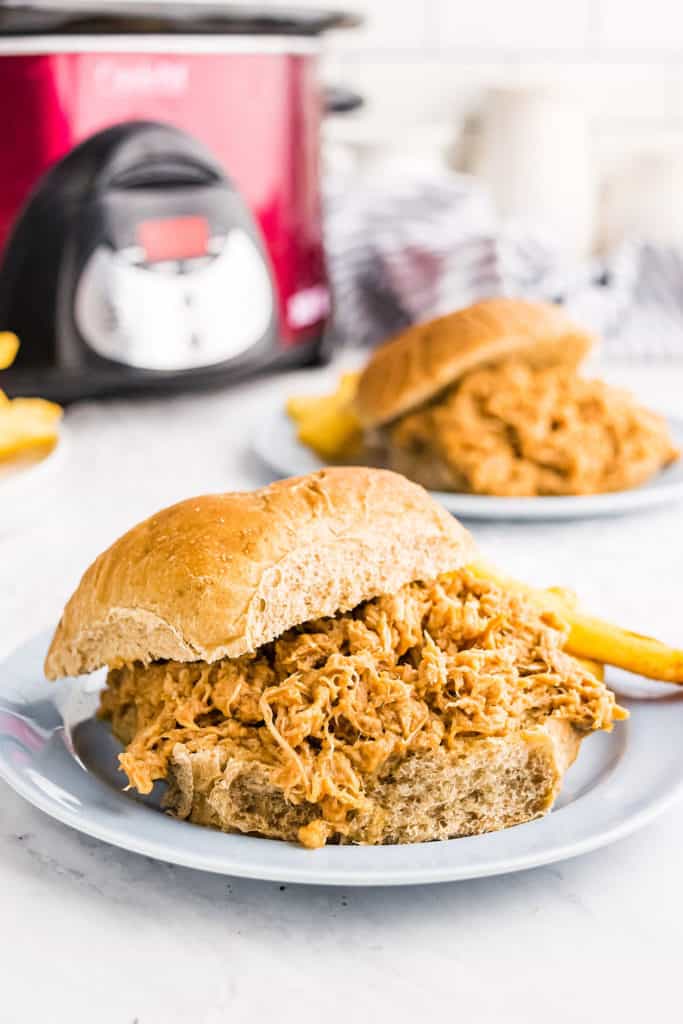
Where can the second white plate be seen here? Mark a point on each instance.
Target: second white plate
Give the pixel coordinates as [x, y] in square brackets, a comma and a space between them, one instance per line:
[275, 442]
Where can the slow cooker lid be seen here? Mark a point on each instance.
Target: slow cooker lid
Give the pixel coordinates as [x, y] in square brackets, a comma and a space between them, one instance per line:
[170, 19]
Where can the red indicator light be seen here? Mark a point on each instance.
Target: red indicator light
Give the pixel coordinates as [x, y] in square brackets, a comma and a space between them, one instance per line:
[173, 238]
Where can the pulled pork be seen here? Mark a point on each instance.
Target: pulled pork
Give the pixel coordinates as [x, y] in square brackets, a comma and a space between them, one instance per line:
[513, 430]
[331, 701]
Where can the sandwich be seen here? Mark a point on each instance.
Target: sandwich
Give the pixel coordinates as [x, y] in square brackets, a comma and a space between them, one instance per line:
[316, 662]
[491, 400]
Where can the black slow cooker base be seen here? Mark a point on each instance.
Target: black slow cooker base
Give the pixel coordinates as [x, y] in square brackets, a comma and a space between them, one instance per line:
[115, 381]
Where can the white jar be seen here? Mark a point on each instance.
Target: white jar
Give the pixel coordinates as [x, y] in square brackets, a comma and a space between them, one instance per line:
[533, 153]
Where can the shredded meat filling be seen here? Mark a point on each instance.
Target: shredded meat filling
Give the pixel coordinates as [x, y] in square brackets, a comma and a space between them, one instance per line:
[514, 430]
[330, 702]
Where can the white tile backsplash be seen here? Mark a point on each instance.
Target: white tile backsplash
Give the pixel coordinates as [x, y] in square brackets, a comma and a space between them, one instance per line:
[522, 24]
[420, 63]
[641, 24]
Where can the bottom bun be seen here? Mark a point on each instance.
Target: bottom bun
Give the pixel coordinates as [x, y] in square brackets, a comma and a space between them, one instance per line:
[481, 784]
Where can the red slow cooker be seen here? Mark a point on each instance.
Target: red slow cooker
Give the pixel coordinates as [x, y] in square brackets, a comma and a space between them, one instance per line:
[160, 221]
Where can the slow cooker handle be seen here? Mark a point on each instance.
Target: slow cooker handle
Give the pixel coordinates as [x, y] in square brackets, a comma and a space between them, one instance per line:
[337, 99]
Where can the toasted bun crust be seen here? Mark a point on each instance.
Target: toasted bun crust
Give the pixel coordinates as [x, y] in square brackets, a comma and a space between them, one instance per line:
[418, 363]
[481, 784]
[220, 575]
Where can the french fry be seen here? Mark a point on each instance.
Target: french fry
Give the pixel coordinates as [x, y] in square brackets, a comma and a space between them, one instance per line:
[592, 638]
[348, 385]
[301, 407]
[28, 425]
[9, 346]
[555, 599]
[642, 655]
[327, 423]
[331, 433]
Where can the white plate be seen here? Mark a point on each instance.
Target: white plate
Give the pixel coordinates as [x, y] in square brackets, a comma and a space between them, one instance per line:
[62, 760]
[275, 442]
[24, 492]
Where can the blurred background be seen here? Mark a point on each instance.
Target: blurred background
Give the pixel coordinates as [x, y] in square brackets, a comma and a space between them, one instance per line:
[427, 154]
[569, 117]
[426, 70]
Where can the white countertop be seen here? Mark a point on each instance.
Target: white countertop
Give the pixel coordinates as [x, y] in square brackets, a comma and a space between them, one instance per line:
[94, 934]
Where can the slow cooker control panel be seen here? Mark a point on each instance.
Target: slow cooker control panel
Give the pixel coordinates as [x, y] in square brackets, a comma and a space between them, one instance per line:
[180, 299]
[164, 267]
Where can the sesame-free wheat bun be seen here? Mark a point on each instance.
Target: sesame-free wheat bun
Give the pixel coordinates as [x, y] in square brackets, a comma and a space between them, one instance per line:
[218, 576]
[421, 361]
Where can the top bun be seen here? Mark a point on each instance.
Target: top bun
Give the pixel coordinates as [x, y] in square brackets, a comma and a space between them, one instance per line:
[220, 575]
[423, 360]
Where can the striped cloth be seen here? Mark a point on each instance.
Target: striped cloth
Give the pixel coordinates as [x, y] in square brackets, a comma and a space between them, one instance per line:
[401, 251]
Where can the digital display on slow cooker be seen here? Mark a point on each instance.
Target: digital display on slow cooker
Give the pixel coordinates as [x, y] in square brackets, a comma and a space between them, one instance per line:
[173, 238]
